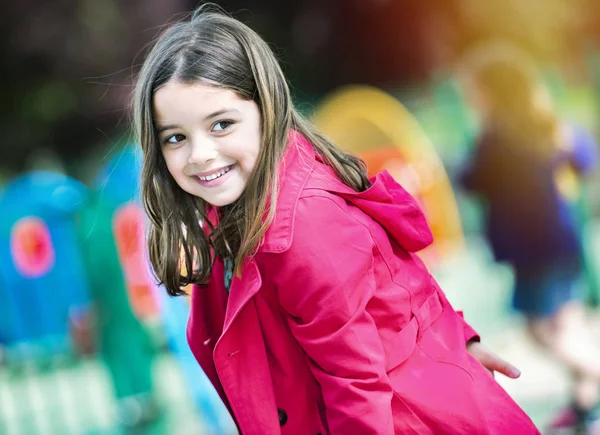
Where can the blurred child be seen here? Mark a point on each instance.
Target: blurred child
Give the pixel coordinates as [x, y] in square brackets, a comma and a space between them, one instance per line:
[310, 311]
[525, 167]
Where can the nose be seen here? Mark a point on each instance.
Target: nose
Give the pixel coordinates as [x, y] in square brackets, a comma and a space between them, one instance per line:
[202, 150]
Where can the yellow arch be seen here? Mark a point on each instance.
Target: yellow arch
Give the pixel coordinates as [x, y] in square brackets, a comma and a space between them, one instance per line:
[363, 118]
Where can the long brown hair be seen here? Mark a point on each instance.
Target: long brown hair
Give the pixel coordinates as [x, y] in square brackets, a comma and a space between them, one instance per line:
[216, 49]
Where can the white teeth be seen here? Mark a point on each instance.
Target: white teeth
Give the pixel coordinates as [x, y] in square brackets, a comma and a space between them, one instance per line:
[216, 175]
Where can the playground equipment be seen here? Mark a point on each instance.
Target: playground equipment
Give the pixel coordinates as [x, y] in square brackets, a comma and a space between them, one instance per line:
[128, 296]
[45, 288]
[111, 233]
[44, 297]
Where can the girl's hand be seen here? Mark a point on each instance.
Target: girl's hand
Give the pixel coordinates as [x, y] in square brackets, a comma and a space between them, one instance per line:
[491, 361]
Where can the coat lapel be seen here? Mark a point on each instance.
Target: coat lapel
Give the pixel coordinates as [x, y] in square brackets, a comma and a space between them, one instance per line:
[241, 359]
[241, 291]
[243, 368]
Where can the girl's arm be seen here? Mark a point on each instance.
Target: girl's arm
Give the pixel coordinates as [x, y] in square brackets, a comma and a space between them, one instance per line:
[326, 282]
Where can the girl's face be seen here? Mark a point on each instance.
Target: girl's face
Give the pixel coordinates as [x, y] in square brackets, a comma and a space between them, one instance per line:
[210, 139]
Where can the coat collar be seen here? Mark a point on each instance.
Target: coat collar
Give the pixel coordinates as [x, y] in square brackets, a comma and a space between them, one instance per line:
[294, 171]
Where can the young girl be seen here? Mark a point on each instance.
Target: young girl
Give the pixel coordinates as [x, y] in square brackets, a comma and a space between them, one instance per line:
[310, 311]
[523, 168]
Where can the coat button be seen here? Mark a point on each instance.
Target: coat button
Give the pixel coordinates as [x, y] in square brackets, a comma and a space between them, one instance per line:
[283, 418]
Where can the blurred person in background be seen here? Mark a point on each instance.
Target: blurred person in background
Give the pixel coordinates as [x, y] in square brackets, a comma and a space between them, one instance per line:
[525, 167]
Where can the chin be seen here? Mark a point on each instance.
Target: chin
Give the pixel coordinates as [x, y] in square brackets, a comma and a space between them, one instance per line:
[222, 201]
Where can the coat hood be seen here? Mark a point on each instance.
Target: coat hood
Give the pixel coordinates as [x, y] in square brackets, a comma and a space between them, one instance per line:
[394, 209]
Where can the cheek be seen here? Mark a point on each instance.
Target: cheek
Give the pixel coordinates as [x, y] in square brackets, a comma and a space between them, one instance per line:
[168, 162]
[246, 156]
[173, 165]
[171, 157]
[252, 158]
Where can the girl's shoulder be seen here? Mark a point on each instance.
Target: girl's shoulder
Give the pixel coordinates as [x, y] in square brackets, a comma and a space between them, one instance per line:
[309, 182]
[324, 204]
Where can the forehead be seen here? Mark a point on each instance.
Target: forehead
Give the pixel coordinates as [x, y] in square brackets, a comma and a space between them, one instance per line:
[183, 100]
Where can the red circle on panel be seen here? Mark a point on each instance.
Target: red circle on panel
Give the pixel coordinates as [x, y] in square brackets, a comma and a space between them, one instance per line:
[31, 247]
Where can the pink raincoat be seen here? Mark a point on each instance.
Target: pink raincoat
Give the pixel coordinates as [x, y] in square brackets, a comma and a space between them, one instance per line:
[337, 327]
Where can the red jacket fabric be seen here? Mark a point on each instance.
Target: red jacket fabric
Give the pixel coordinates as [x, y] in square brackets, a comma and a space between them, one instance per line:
[337, 327]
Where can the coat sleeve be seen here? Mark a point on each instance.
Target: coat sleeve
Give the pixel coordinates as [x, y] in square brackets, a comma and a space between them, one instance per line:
[469, 332]
[327, 282]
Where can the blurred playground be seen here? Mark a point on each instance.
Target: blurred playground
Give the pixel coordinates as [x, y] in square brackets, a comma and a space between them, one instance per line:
[75, 375]
[89, 344]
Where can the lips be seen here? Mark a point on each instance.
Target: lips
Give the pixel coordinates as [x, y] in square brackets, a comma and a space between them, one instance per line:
[215, 175]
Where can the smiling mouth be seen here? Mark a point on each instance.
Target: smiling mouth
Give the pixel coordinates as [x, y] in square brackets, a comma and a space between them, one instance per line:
[216, 174]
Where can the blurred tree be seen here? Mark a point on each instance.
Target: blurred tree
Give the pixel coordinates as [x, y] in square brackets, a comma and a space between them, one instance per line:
[69, 65]
[552, 31]
[67, 73]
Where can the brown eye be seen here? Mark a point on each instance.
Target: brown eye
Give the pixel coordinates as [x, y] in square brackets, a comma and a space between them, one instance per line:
[222, 125]
[174, 139]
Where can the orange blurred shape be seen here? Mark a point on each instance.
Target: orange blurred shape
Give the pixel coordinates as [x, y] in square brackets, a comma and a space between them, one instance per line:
[128, 226]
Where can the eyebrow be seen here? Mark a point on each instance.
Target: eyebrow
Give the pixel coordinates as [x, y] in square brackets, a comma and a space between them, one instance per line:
[161, 128]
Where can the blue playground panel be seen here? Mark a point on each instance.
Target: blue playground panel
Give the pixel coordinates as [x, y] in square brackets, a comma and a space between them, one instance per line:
[43, 279]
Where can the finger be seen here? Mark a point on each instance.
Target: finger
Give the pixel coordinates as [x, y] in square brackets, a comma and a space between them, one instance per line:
[497, 364]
